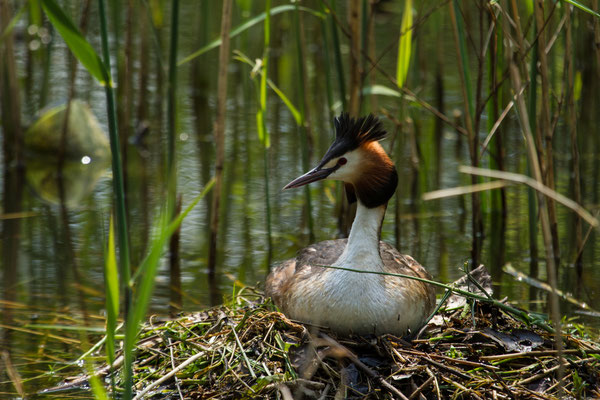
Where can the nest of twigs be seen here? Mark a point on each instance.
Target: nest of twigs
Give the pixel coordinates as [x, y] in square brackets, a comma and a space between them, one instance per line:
[248, 350]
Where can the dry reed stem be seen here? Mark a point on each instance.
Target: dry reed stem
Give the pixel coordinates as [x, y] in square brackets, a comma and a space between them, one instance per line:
[497, 124]
[538, 186]
[544, 217]
[462, 190]
[13, 374]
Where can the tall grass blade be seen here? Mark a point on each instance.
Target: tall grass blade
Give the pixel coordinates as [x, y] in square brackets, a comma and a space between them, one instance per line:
[405, 44]
[78, 45]
[100, 69]
[117, 166]
[245, 26]
[111, 287]
[147, 273]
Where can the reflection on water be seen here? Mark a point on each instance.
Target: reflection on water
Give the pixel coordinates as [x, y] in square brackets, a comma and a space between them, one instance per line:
[52, 259]
[70, 185]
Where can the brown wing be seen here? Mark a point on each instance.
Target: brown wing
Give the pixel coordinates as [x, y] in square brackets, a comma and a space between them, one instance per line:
[326, 253]
[403, 263]
[323, 253]
[398, 263]
[281, 275]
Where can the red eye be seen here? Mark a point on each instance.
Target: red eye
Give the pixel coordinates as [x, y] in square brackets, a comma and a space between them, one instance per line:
[342, 161]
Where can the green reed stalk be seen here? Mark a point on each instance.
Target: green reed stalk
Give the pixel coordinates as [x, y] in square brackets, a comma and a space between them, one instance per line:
[327, 58]
[495, 61]
[118, 187]
[219, 136]
[354, 59]
[467, 92]
[263, 133]
[172, 111]
[302, 125]
[531, 195]
[341, 204]
[544, 123]
[337, 52]
[571, 118]
[117, 179]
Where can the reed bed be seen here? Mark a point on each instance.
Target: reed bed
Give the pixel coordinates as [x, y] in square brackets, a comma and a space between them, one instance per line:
[249, 349]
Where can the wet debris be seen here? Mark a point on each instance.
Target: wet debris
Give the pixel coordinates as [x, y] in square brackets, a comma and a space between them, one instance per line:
[248, 350]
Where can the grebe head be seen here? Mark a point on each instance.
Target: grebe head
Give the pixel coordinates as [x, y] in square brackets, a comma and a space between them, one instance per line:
[356, 158]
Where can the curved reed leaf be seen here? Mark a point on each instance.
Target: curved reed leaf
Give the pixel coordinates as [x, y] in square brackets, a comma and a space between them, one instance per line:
[263, 133]
[405, 45]
[245, 26]
[78, 45]
[295, 113]
[380, 90]
[9, 27]
[582, 7]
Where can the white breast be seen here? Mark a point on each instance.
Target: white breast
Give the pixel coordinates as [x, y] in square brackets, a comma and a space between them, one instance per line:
[350, 302]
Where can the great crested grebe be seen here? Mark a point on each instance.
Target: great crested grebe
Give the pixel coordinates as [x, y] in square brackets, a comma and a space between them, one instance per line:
[345, 301]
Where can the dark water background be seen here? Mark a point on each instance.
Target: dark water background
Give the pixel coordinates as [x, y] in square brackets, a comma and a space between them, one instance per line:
[54, 272]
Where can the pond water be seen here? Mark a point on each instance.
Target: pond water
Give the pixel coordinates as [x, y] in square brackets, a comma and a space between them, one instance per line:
[55, 226]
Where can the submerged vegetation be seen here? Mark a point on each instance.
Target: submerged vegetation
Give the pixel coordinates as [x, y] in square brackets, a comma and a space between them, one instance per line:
[481, 98]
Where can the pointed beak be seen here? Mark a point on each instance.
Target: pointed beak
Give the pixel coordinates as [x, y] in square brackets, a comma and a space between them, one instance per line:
[315, 174]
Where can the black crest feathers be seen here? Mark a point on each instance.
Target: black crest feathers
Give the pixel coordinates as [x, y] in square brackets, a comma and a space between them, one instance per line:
[350, 133]
[354, 132]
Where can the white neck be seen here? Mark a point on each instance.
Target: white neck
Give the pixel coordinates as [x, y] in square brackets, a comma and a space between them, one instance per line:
[362, 250]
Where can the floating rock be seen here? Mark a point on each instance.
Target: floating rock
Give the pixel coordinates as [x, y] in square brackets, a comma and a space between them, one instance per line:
[84, 137]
